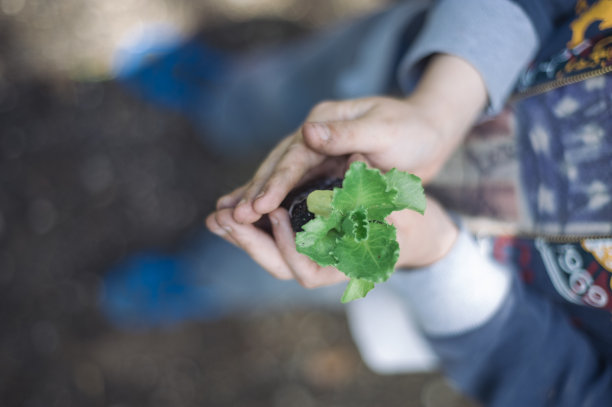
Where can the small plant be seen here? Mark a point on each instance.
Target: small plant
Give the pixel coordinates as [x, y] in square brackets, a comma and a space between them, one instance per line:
[349, 230]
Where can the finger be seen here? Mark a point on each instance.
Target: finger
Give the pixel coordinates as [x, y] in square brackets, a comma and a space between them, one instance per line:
[305, 271]
[271, 184]
[294, 166]
[363, 135]
[231, 200]
[257, 243]
[244, 211]
[217, 229]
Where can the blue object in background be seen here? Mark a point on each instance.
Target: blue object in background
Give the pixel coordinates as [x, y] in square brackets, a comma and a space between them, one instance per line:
[222, 94]
[164, 68]
[152, 289]
[208, 280]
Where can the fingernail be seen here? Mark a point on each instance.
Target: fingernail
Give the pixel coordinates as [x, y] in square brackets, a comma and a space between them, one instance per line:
[227, 228]
[242, 202]
[259, 195]
[322, 130]
[273, 220]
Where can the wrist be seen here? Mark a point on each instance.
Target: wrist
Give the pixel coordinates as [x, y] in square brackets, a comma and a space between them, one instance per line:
[451, 95]
[424, 239]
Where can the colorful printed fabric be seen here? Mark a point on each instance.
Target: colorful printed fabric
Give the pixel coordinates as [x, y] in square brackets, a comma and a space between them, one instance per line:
[574, 275]
[565, 154]
[580, 48]
[543, 168]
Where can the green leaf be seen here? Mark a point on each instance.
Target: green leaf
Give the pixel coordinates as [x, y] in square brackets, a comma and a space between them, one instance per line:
[364, 188]
[318, 239]
[361, 226]
[351, 233]
[319, 202]
[372, 259]
[409, 189]
[356, 224]
[356, 289]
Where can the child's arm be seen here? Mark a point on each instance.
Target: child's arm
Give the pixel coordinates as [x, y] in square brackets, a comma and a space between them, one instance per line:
[497, 37]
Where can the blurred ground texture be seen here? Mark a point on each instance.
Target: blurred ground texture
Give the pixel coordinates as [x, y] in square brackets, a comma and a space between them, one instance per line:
[89, 174]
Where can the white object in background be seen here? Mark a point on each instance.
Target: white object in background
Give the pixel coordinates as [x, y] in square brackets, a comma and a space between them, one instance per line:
[387, 335]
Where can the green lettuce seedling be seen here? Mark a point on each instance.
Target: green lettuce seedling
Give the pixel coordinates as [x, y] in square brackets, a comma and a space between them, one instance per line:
[349, 230]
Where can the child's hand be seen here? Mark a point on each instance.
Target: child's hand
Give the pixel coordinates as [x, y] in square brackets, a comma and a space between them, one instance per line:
[387, 131]
[423, 240]
[416, 134]
[275, 253]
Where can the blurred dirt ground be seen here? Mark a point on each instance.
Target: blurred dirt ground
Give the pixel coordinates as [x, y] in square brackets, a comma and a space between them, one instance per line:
[89, 174]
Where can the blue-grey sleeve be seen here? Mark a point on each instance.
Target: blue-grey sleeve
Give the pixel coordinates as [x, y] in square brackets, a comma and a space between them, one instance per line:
[497, 340]
[496, 36]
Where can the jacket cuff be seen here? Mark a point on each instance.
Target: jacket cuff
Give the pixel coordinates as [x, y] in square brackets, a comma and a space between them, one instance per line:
[495, 36]
[459, 293]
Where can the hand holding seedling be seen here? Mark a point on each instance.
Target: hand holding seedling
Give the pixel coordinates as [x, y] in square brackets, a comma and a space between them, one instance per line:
[416, 134]
[350, 232]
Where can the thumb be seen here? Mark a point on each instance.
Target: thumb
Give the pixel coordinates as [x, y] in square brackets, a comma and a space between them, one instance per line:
[344, 137]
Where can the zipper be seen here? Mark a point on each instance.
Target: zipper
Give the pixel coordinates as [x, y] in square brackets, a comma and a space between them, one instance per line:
[561, 238]
[558, 83]
[486, 228]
